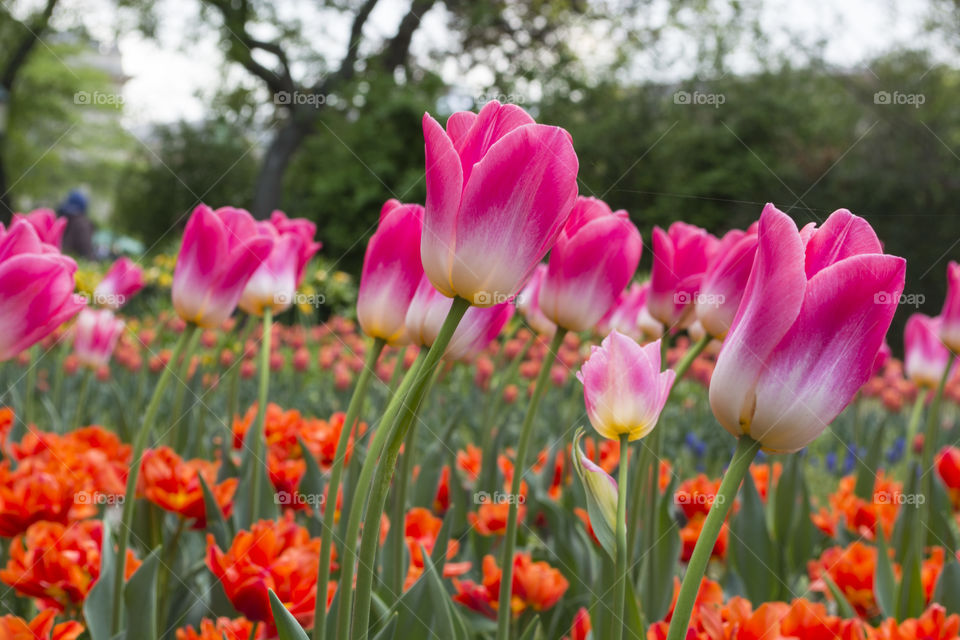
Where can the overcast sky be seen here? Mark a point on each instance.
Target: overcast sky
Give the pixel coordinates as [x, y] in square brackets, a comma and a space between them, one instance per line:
[166, 75]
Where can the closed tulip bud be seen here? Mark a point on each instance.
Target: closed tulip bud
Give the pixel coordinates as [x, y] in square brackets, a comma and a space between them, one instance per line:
[391, 272]
[623, 387]
[220, 252]
[925, 357]
[814, 314]
[95, 336]
[121, 282]
[950, 325]
[601, 491]
[499, 189]
[594, 258]
[680, 257]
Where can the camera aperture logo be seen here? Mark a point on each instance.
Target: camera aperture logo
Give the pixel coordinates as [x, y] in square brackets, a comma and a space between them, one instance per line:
[498, 497]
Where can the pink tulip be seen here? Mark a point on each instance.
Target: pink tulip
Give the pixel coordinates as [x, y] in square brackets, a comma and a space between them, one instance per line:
[47, 224]
[499, 190]
[220, 252]
[725, 280]
[950, 316]
[528, 303]
[36, 289]
[925, 357]
[814, 314]
[883, 356]
[305, 230]
[623, 387]
[629, 315]
[391, 272]
[680, 257]
[274, 284]
[123, 280]
[594, 258]
[95, 336]
[479, 325]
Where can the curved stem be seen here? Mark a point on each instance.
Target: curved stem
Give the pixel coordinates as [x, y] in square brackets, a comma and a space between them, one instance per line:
[420, 378]
[510, 537]
[620, 590]
[744, 454]
[333, 485]
[140, 441]
[691, 354]
[257, 456]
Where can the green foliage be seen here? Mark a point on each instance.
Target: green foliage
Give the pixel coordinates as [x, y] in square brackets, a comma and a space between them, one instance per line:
[178, 167]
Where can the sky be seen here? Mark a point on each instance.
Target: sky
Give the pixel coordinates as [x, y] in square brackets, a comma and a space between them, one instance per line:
[170, 75]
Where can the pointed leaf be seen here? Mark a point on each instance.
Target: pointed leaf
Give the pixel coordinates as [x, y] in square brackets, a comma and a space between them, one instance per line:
[287, 626]
[98, 606]
[140, 596]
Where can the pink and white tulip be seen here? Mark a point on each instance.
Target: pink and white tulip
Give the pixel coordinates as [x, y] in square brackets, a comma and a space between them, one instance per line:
[950, 316]
[817, 306]
[122, 281]
[499, 190]
[36, 289]
[623, 387]
[528, 303]
[680, 257]
[391, 272]
[95, 336]
[47, 224]
[305, 230]
[479, 325]
[594, 258]
[725, 280]
[274, 284]
[220, 251]
[925, 356]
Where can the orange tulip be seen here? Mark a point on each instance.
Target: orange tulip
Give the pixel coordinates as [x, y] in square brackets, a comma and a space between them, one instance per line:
[40, 628]
[536, 585]
[173, 484]
[219, 629]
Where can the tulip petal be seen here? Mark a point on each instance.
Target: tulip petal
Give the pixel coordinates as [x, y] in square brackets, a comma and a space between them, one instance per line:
[494, 121]
[829, 352]
[459, 124]
[444, 187]
[843, 235]
[769, 307]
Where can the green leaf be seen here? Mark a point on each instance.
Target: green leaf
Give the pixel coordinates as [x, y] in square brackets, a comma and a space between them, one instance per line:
[786, 500]
[632, 619]
[751, 545]
[884, 586]
[867, 468]
[533, 631]
[312, 484]
[98, 606]
[140, 596]
[287, 626]
[445, 616]
[910, 600]
[947, 591]
[660, 563]
[389, 629]
[843, 605]
[216, 523]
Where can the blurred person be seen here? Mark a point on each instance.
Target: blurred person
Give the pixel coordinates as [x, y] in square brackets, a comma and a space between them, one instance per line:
[78, 236]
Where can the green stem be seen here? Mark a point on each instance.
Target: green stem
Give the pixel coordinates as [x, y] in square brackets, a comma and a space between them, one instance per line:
[80, 409]
[420, 379]
[695, 350]
[234, 393]
[140, 441]
[510, 538]
[333, 485]
[397, 370]
[257, 455]
[620, 590]
[746, 451]
[31, 387]
[178, 435]
[400, 509]
[913, 424]
[930, 446]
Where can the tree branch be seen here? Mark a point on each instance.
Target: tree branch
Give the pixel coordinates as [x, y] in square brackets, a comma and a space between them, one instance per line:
[25, 46]
[397, 49]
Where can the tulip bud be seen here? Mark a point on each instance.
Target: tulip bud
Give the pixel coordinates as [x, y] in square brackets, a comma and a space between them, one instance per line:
[601, 492]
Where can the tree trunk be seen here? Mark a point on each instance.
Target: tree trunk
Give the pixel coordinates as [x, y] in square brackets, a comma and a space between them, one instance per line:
[6, 202]
[269, 187]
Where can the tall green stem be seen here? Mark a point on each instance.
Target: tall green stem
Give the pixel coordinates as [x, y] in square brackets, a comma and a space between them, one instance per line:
[400, 509]
[695, 350]
[913, 424]
[31, 387]
[519, 465]
[930, 446]
[333, 485]
[623, 563]
[139, 443]
[744, 454]
[234, 392]
[257, 456]
[80, 409]
[419, 379]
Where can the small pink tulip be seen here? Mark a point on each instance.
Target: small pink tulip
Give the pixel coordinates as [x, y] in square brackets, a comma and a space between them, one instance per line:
[123, 280]
[499, 189]
[950, 316]
[725, 280]
[528, 303]
[95, 336]
[623, 387]
[594, 258]
[479, 325]
[47, 224]
[925, 357]
[629, 315]
[814, 314]
[391, 272]
[220, 252]
[36, 289]
[305, 230]
[680, 257]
